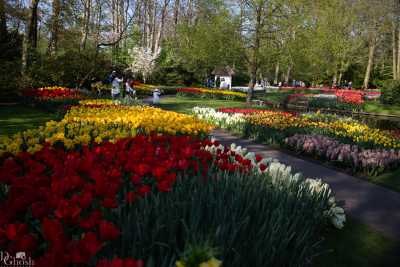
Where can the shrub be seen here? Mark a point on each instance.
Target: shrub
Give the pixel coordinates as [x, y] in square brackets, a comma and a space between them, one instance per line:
[327, 103]
[391, 92]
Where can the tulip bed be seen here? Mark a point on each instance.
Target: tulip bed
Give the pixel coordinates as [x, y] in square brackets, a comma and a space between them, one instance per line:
[52, 98]
[208, 93]
[97, 121]
[137, 186]
[274, 127]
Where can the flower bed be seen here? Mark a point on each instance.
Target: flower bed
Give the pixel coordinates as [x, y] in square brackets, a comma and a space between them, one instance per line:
[372, 161]
[273, 127]
[52, 93]
[86, 124]
[208, 93]
[338, 99]
[52, 98]
[241, 110]
[134, 197]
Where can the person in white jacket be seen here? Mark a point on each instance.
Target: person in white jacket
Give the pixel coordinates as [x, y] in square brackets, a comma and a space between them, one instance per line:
[156, 96]
[115, 90]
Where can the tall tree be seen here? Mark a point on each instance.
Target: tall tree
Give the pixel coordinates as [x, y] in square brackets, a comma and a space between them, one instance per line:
[55, 27]
[30, 35]
[3, 20]
[259, 15]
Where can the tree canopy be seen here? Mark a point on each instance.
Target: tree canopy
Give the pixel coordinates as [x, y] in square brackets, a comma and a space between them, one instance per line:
[320, 42]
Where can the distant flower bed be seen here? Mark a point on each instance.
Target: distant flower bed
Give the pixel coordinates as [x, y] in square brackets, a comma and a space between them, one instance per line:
[241, 110]
[274, 126]
[55, 92]
[211, 93]
[53, 98]
[354, 98]
[371, 161]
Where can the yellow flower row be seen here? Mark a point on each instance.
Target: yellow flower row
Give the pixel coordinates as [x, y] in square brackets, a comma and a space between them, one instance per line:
[353, 130]
[222, 92]
[99, 102]
[84, 125]
[52, 88]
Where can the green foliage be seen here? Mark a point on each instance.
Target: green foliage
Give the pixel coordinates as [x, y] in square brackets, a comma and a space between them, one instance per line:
[212, 42]
[196, 254]
[74, 68]
[391, 92]
[327, 103]
[10, 66]
[253, 221]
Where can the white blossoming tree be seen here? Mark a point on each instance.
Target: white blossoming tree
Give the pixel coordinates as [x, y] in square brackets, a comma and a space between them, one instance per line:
[143, 61]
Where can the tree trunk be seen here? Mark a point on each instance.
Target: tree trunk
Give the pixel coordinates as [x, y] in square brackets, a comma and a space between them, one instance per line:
[254, 56]
[33, 24]
[277, 66]
[287, 77]
[371, 54]
[154, 27]
[334, 80]
[176, 14]
[86, 22]
[340, 78]
[398, 55]
[394, 52]
[161, 27]
[30, 36]
[3, 21]
[55, 25]
[98, 22]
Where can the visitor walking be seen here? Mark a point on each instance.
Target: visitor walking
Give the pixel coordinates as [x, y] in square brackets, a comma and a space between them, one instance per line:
[156, 96]
[115, 83]
[130, 91]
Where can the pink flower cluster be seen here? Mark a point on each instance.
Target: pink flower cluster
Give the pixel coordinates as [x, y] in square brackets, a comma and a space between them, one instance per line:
[373, 161]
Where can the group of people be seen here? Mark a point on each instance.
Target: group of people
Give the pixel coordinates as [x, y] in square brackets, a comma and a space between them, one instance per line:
[116, 81]
[343, 85]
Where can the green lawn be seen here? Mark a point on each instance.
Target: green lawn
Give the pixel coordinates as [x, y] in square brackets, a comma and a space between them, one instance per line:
[185, 104]
[276, 98]
[374, 107]
[390, 180]
[359, 246]
[18, 118]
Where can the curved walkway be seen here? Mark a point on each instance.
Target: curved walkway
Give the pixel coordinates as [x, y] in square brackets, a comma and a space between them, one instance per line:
[368, 203]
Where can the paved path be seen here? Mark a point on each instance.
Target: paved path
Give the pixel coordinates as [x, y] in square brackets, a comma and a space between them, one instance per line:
[368, 203]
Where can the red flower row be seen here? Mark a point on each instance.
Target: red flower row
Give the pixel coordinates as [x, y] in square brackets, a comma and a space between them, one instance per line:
[54, 93]
[352, 97]
[60, 199]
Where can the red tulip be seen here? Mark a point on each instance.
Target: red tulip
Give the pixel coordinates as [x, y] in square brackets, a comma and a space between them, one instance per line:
[108, 231]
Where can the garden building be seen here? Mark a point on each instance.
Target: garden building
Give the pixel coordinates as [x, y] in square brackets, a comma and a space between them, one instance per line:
[223, 77]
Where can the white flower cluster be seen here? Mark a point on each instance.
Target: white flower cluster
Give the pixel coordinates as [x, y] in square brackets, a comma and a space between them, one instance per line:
[221, 119]
[238, 150]
[279, 173]
[336, 214]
